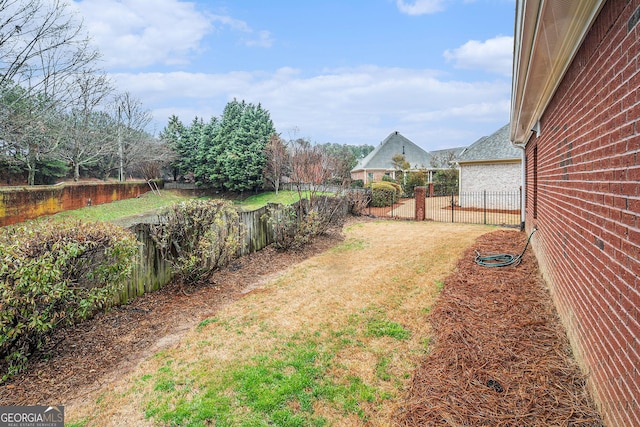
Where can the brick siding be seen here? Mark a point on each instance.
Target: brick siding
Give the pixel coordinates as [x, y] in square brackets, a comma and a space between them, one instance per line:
[503, 176]
[587, 206]
[369, 175]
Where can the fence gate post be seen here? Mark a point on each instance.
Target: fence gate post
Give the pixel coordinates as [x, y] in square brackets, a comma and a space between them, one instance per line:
[453, 205]
[420, 195]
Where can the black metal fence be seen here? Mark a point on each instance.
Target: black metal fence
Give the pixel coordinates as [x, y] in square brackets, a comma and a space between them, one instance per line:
[485, 207]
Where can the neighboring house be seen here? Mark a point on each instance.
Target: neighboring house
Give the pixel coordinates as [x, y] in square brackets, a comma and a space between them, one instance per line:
[379, 162]
[491, 172]
[575, 109]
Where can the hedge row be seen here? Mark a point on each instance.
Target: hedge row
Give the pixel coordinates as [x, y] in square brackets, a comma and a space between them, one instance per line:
[53, 275]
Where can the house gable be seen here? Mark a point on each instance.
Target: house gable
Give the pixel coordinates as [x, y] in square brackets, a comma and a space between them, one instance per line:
[395, 143]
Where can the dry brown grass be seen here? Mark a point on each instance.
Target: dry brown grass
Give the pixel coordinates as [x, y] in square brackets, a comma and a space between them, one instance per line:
[387, 268]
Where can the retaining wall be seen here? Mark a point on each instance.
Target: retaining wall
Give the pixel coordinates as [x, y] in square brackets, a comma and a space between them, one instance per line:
[18, 204]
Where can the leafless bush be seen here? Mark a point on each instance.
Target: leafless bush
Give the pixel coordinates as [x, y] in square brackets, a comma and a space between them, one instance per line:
[358, 201]
[295, 225]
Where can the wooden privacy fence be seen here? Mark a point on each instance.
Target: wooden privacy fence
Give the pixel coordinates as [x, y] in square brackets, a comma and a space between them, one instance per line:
[152, 271]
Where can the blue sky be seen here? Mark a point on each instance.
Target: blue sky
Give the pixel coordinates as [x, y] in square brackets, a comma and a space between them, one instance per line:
[343, 71]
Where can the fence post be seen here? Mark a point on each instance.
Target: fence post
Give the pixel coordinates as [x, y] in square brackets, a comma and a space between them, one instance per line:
[484, 203]
[520, 209]
[393, 202]
[420, 195]
[452, 206]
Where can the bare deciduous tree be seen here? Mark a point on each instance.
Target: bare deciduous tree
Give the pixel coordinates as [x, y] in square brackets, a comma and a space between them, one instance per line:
[278, 161]
[88, 128]
[310, 166]
[132, 119]
[42, 48]
[153, 156]
[41, 43]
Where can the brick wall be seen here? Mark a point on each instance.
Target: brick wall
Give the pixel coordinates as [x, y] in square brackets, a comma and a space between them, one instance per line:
[369, 175]
[21, 203]
[583, 192]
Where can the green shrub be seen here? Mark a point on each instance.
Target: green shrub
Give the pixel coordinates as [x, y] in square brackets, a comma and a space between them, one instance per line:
[54, 275]
[357, 183]
[414, 179]
[384, 193]
[387, 178]
[198, 236]
[446, 182]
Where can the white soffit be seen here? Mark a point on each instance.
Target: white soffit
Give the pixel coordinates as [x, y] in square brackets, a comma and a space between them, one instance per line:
[548, 34]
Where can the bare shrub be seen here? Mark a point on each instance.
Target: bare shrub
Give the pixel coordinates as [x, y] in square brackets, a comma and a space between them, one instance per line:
[295, 225]
[198, 236]
[358, 201]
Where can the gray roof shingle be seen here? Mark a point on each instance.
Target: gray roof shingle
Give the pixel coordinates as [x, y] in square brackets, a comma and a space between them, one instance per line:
[495, 147]
[396, 143]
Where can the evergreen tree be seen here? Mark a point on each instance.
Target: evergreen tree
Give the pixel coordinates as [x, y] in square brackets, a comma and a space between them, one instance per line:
[235, 158]
[173, 135]
[206, 153]
[188, 143]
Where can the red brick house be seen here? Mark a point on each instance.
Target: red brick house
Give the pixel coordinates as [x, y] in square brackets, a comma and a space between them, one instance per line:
[576, 114]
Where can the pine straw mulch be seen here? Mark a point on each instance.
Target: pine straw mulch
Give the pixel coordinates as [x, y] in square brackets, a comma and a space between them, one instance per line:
[499, 355]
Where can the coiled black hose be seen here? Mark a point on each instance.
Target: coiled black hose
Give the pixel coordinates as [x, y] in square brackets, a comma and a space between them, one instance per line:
[503, 260]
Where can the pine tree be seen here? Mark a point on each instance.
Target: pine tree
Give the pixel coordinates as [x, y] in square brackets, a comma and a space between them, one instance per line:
[235, 158]
[174, 135]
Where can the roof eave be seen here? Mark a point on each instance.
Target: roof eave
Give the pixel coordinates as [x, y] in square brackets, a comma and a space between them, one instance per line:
[547, 36]
[513, 160]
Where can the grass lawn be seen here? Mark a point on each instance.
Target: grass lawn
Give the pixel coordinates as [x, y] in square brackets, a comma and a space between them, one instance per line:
[150, 202]
[147, 202]
[285, 197]
[330, 341]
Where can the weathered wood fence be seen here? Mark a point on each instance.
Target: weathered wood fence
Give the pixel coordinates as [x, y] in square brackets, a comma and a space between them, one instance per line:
[153, 271]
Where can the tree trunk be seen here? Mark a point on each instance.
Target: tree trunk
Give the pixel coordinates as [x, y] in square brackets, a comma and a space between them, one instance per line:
[31, 180]
[76, 171]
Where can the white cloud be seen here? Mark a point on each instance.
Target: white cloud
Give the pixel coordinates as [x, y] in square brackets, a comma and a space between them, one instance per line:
[355, 105]
[251, 37]
[495, 55]
[141, 33]
[420, 7]
[263, 39]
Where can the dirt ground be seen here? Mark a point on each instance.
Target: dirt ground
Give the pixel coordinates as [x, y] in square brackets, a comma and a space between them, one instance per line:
[499, 356]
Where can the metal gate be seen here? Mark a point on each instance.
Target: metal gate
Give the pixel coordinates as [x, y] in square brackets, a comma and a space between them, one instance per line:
[485, 207]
